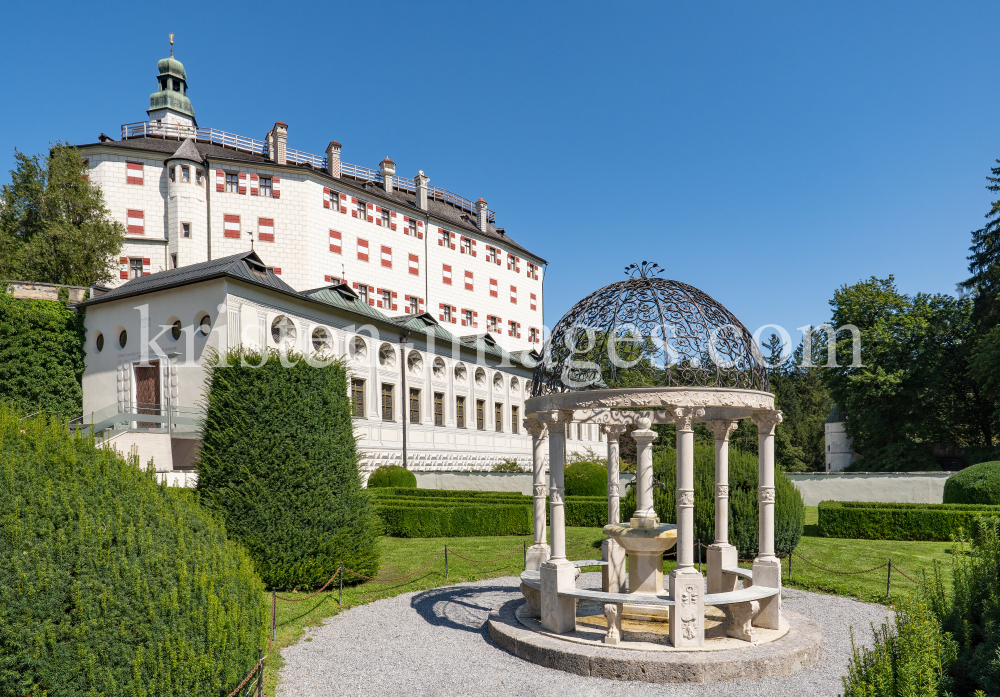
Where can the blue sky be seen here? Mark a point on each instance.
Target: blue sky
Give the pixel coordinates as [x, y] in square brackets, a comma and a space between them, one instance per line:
[764, 152]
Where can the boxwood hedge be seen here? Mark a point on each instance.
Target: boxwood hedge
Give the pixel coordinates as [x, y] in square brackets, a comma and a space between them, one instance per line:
[975, 484]
[111, 584]
[899, 521]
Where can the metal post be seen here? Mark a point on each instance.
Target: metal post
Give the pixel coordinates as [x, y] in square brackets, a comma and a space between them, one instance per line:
[525, 545]
[260, 673]
[274, 616]
[790, 565]
[888, 579]
[340, 600]
[446, 562]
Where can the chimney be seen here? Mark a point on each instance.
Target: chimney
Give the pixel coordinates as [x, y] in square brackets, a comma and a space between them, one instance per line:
[277, 138]
[481, 215]
[421, 181]
[388, 170]
[333, 159]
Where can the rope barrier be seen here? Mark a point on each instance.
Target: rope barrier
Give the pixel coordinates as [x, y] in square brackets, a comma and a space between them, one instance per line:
[249, 675]
[907, 576]
[840, 573]
[299, 600]
[398, 578]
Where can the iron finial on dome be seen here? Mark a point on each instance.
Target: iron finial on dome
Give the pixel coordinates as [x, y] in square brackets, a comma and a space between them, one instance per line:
[646, 270]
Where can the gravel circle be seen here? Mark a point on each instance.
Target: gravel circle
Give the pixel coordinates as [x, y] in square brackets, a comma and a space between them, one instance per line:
[435, 642]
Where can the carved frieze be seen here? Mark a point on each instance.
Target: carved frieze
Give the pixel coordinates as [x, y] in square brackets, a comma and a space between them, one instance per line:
[765, 494]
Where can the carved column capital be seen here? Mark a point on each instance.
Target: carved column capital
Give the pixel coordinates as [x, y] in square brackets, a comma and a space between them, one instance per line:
[536, 429]
[766, 421]
[614, 431]
[685, 417]
[554, 418]
[722, 429]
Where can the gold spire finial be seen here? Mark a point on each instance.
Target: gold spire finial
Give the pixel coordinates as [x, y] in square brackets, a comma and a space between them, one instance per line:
[171, 44]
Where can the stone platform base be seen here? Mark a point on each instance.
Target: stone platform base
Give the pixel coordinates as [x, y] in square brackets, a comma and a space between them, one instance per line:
[798, 648]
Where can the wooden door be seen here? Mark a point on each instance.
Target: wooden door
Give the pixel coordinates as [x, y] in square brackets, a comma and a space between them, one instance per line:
[147, 392]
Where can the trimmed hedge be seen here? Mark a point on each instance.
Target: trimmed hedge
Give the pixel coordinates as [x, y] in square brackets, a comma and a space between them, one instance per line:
[789, 511]
[111, 584]
[976, 484]
[586, 479]
[448, 494]
[899, 521]
[280, 463]
[392, 476]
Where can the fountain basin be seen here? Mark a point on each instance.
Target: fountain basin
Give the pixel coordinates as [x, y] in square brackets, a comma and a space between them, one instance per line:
[645, 548]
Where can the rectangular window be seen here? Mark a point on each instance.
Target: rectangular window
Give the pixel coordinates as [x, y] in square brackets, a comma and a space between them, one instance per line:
[413, 306]
[514, 420]
[173, 261]
[469, 320]
[533, 335]
[265, 229]
[468, 280]
[532, 271]
[446, 313]
[232, 183]
[133, 173]
[387, 402]
[363, 293]
[445, 239]
[459, 412]
[481, 414]
[197, 177]
[414, 406]
[136, 222]
[384, 217]
[362, 210]
[387, 299]
[491, 254]
[358, 397]
[231, 226]
[135, 268]
[387, 257]
[466, 245]
[446, 274]
[493, 323]
[413, 227]
[186, 174]
[186, 230]
[439, 408]
[498, 416]
[265, 186]
[170, 174]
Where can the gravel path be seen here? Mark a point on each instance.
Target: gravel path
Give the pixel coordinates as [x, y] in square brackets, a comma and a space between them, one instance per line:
[435, 643]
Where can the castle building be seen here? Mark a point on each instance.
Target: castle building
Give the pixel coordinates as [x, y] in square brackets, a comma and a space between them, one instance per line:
[189, 194]
[233, 241]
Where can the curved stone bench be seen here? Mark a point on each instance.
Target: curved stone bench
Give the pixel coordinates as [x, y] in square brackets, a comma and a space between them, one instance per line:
[740, 606]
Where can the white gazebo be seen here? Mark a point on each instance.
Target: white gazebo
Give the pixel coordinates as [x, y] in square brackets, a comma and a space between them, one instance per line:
[636, 353]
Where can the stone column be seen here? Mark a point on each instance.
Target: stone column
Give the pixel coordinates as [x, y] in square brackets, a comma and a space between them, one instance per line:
[614, 574]
[766, 566]
[721, 555]
[539, 551]
[645, 515]
[558, 612]
[687, 586]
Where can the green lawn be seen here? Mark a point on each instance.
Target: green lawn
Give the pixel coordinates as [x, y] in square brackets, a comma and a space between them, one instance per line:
[404, 556]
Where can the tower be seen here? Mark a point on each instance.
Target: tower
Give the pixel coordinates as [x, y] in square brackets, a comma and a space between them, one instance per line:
[171, 104]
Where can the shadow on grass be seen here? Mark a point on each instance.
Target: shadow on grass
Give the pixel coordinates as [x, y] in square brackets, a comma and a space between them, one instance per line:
[461, 608]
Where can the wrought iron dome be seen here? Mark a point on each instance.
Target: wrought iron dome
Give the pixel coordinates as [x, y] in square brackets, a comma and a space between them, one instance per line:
[648, 331]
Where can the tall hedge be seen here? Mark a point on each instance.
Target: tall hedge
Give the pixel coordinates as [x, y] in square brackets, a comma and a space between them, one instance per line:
[41, 355]
[975, 484]
[789, 511]
[111, 584]
[280, 464]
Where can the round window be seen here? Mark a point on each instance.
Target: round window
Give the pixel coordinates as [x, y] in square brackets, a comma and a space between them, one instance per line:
[175, 330]
[359, 351]
[283, 330]
[439, 369]
[414, 362]
[460, 373]
[321, 339]
[386, 356]
[99, 342]
[480, 378]
[123, 338]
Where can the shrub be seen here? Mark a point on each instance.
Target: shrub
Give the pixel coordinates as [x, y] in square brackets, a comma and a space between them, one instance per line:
[392, 476]
[448, 494]
[586, 479]
[508, 466]
[41, 355]
[789, 511]
[111, 584]
[976, 484]
[280, 463]
[898, 521]
[405, 519]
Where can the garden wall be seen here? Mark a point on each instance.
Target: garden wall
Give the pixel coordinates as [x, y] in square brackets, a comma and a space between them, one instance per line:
[490, 481]
[886, 487]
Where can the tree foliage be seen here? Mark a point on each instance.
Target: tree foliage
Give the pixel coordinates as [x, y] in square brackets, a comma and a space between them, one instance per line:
[280, 463]
[54, 226]
[110, 583]
[41, 355]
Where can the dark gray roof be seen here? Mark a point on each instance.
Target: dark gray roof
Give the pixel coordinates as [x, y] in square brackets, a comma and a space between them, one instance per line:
[245, 266]
[836, 416]
[446, 212]
[187, 151]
